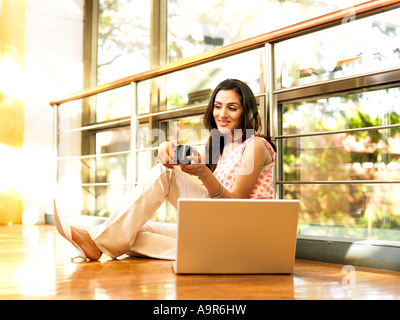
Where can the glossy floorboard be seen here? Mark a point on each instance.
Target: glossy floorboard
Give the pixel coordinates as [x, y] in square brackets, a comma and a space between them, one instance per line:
[35, 264]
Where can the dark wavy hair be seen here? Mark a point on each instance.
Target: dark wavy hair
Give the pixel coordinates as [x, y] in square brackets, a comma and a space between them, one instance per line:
[251, 120]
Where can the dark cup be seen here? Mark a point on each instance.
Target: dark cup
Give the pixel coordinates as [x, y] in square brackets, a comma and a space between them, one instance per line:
[182, 152]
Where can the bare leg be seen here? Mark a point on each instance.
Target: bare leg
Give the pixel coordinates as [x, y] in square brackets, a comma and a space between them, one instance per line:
[82, 238]
[79, 238]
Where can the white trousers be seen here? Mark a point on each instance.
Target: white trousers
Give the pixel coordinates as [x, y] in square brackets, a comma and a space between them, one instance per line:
[128, 231]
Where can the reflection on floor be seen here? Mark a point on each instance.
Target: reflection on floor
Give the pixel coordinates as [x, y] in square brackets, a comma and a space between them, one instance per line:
[35, 264]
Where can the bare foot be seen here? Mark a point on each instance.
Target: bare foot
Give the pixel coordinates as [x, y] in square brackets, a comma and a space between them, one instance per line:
[85, 242]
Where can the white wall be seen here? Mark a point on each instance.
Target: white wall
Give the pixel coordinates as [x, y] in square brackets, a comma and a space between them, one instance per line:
[53, 69]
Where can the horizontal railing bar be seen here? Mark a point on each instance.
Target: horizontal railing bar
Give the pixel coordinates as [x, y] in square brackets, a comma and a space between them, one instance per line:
[262, 94]
[338, 182]
[100, 184]
[104, 155]
[103, 184]
[345, 84]
[103, 125]
[304, 27]
[341, 182]
[146, 149]
[391, 126]
[101, 155]
[172, 111]
[125, 121]
[155, 148]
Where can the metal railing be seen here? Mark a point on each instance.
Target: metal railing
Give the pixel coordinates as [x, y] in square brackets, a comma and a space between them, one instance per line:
[308, 26]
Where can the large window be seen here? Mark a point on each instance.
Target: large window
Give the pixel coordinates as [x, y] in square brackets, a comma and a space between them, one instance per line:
[130, 33]
[339, 135]
[94, 164]
[123, 41]
[198, 26]
[365, 45]
[354, 199]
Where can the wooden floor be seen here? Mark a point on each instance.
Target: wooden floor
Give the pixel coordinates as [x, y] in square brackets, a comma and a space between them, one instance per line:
[35, 264]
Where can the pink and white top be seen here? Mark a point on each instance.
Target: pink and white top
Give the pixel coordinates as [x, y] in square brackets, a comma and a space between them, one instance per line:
[228, 167]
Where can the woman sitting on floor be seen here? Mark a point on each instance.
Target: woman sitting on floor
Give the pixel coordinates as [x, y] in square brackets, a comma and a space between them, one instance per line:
[238, 163]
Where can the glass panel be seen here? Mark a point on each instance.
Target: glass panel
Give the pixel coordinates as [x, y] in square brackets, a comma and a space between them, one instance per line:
[70, 115]
[353, 156]
[70, 144]
[144, 135]
[365, 45]
[340, 210]
[106, 106]
[166, 213]
[349, 211]
[350, 111]
[364, 155]
[195, 85]
[145, 161]
[113, 141]
[199, 26]
[116, 168]
[123, 38]
[70, 172]
[73, 200]
[111, 169]
[92, 201]
[107, 198]
[143, 97]
[114, 104]
[189, 130]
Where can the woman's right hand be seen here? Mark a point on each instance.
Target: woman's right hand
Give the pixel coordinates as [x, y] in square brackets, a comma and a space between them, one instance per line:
[166, 154]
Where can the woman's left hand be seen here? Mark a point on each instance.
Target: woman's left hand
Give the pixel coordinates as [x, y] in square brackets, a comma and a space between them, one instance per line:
[195, 168]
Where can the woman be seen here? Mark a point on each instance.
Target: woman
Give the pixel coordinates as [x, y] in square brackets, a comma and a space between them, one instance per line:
[238, 163]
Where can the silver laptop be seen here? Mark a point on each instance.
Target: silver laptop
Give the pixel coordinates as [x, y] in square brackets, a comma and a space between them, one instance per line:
[236, 236]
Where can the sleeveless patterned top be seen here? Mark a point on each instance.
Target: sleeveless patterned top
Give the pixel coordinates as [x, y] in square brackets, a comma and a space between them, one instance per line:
[227, 169]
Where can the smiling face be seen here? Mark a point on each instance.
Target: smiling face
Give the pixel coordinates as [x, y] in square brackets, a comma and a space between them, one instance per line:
[228, 111]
